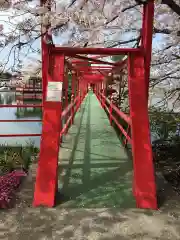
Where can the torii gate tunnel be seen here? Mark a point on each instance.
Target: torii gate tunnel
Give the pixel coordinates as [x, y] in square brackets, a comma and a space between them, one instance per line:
[55, 68]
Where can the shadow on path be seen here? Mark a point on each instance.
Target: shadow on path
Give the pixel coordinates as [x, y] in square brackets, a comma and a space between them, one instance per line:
[93, 179]
[60, 197]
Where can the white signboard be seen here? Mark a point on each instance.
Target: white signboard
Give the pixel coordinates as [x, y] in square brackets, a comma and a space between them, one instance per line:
[54, 92]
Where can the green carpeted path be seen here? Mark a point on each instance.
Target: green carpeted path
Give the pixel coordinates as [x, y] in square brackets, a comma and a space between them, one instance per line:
[94, 169]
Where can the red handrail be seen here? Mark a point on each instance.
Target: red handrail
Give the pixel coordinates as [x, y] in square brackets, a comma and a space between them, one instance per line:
[21, 135]
[64, 113]
[119, 126]
[66, 125]
[21, 120]
[121, 114]
[21, 105]
[103, 100]
[78, 100]
[67, 110]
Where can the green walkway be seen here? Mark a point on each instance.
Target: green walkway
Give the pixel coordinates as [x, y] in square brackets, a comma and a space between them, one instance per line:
[94, 170]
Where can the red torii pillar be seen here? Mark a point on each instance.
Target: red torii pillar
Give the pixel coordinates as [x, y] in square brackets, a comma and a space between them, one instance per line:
[146, 43]
[144, 186]
[47, 176]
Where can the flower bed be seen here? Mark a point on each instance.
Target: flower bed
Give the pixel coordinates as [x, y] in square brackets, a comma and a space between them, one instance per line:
[14, 165]
[8, 186]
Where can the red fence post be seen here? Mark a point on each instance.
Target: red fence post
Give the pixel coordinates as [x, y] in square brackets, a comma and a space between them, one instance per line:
[110, 110]
[47, 177]
[104, 94]
[98, 91]
[77, 79]
[73, 83]
[93, 86]
[82, 87]
[66, 85]
[128, 131]
[45, 50]
[79, 105]
[45, 57]
[146, 43]
[45, 60]
[101, 84]
[144, 176]
[72, 109]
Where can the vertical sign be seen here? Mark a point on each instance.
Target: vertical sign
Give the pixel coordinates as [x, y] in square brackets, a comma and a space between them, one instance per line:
[54, 92]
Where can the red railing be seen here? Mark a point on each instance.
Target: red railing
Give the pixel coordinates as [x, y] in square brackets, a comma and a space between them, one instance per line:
[111, 109]
[68, 113]
[21, 120]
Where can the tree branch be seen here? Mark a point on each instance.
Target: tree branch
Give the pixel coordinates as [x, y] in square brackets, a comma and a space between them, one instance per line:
[173, 5]
[165, 31]
[124, 42]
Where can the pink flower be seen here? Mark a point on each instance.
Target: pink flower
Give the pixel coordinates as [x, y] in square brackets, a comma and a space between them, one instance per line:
[8, 186]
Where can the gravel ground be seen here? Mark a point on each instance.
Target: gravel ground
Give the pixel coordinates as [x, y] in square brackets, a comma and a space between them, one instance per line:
[24, 222]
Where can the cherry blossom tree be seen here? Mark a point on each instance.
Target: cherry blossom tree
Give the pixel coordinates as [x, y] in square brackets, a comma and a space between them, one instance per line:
[92, 23]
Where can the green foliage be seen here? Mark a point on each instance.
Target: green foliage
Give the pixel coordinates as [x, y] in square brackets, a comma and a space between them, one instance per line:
[35, 79]
[117, 58]
[163, 124]
[69, 87]
[5, 75]
[17, 157]
[26, 112]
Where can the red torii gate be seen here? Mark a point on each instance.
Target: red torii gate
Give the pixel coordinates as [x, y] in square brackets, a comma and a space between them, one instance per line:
[53, 63]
